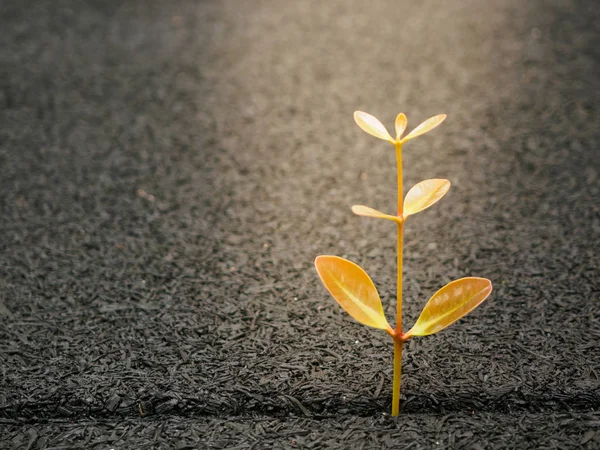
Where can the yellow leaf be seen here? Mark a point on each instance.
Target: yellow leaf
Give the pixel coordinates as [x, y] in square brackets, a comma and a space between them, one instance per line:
[449, 304]
[400, 125]
[371, 125]
[424, 194]
[426, 126]
[352, 288]
[361, 210]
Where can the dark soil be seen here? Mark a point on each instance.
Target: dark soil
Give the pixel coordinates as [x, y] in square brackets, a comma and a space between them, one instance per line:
[170, 170]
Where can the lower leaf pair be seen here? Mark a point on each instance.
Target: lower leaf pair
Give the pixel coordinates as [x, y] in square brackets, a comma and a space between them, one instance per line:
[354, 290]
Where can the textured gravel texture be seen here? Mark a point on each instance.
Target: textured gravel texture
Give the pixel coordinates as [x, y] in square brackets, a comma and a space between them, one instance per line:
[170, 170]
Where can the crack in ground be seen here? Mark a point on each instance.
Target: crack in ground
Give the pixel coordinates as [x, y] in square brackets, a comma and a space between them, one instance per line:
[165, 405]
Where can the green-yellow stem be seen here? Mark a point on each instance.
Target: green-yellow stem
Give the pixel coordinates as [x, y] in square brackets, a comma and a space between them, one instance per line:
[399, 284]
[400, 239]
[399, 166]
[398, 342]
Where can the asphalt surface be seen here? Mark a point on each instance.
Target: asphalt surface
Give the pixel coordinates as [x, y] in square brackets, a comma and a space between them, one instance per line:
[170, 170]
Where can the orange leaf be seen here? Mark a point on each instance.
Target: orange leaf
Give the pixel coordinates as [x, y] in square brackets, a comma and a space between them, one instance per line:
[449, 304]
[361, 210]
[426, 126]
[372, 125]
[424, 194]
[400, 125]
[352, 288]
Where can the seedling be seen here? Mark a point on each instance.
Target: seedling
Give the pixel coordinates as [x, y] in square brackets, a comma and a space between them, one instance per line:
[353, 289]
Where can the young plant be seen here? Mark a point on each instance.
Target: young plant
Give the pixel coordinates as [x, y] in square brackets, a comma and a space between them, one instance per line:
[352, 288]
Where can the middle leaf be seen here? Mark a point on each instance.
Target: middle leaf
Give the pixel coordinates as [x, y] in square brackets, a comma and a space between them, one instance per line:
[424, 194]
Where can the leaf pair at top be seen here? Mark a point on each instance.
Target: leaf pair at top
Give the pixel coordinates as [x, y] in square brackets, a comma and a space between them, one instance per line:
[423, 194]
[354, 290]
[374, 127]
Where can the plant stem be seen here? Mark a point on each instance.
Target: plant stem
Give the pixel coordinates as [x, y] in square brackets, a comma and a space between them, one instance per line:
[400, 239]
[399, 170]
[398, 342]
[399, 284]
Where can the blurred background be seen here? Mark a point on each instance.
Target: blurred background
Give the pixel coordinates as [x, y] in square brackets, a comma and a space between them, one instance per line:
[170, 170]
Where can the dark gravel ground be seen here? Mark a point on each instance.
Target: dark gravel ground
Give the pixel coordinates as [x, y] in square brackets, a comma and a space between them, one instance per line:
[169, 171]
